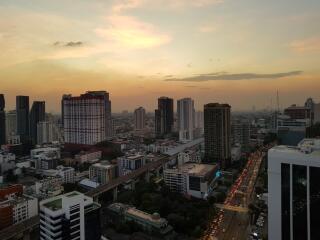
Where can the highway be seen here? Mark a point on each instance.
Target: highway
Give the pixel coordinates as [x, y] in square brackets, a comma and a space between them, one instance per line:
[123, 179]
[232, 219]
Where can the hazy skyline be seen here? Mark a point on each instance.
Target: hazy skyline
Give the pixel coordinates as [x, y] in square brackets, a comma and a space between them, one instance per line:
[239, 52]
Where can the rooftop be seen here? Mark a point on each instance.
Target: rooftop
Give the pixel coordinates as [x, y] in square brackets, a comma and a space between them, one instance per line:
[54, 204]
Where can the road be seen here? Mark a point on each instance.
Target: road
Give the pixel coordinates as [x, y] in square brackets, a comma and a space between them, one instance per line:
[232, 220]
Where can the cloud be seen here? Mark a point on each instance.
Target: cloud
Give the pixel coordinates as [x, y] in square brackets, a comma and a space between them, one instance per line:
[129, 32]
[236, 76]
[124, 5]
[306, 45]
[68, 44]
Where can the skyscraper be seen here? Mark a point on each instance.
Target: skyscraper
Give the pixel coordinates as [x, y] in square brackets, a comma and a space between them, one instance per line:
[164, 116]
[48, 132]
[186, 119]
[37, 114]
[2, 120]
[294, 191]
[139, 118]
[87, 118]
[217, 133]
[22, 111]
[240, 130]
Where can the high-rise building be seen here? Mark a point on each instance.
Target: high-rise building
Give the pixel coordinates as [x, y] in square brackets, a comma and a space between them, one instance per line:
[298, 112]
[217, 133]
[70, 216]
[37, 114]
[87, 118]
[240, 130]
[139, 118]
[164, 116]
[22, 111]
[186, 119]
[2, 121]
[11, 123]
[294, 191]
[48, 132]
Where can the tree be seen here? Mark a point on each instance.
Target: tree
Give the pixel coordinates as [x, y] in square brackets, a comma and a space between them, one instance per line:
[11, 177]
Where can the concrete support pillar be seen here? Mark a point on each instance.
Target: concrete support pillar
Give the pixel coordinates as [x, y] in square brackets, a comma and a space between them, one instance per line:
[115, 194]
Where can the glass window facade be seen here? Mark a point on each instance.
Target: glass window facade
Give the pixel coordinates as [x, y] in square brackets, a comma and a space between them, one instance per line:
[299, 197]
[314, 179]
[285, 201]
[194, 183]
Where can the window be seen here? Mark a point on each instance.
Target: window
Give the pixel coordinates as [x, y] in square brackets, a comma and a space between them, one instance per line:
[314, 203]
[285, 201]
[194, 183]
[299, 195]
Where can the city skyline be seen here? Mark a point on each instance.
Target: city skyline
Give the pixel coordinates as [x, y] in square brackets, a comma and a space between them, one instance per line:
[236, 52]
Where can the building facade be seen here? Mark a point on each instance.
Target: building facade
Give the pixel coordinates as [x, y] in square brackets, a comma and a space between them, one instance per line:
[22, 111]
[164, 116]
[186, 119]
[294, 191]
[11, 124]
[193, 179]
[87, 118]
[37, 114]
[217, 133]
[139, 118]
[45, 158]
[129, 163]
[48, 132]
[102, 172]
[2, 120]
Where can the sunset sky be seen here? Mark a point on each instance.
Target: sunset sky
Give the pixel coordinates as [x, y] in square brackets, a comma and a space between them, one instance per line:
[235, 51]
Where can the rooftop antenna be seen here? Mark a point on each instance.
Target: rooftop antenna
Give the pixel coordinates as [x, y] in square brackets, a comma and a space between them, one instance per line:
[278, 104]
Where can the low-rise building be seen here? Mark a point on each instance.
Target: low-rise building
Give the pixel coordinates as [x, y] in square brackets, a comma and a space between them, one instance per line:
[193, 179]
[151, 223]
[102, 172]
[67, 174]
[45, 158]
[130, 162]
[89, 156]
[15, 206]
[191, 155]
[7, 161]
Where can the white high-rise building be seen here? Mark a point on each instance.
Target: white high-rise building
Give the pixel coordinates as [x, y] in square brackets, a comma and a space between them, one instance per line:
[139, 118]
[185, 108]
[294, 191]
[64, 217]
[48, 132]
[87, 118]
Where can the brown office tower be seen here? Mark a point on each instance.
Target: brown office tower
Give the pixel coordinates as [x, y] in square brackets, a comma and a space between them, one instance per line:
[217, 134]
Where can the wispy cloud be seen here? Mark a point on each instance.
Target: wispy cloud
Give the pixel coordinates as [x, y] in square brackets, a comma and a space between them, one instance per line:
[233, 77]
[123, 5]
[306, 45]
[130, 32]
[68, 44]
